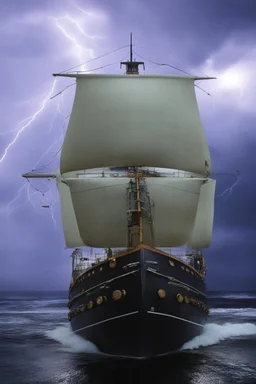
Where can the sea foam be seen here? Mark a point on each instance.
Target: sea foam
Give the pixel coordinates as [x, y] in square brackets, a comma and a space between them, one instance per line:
[214, 333]
[68, 339]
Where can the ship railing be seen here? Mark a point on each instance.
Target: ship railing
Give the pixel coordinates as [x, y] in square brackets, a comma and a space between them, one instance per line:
[129, 173]
[89, 261]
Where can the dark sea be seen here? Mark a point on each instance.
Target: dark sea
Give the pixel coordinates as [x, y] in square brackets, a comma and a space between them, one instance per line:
[38, 346]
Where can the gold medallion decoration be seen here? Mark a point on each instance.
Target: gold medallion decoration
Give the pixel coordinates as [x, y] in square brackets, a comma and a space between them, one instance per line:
[112, 263]
[179, 298]
[90, 305]
[182, 267]
[101, 269]
[117, 295]
[93, 272]
[171, 263]
[99, 300]
[161, 293]
[186, 299]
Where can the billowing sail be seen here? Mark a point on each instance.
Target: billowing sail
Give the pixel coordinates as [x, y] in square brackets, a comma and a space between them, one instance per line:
[69, 223]
[100, 206]
[202, 232]
[147, 120]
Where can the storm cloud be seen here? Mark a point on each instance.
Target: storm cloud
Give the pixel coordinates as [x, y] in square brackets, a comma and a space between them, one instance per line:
[201, 37]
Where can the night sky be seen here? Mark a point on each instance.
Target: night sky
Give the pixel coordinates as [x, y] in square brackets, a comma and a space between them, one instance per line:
[40, 37]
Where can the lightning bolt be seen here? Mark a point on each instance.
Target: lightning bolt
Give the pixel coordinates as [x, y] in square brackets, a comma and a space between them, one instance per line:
[15, 199]
[10, 208]
[228, 192]
[78, 47]
[79, 27]
[29, 120]
[54, 200]
[15, 129]
[63, 24]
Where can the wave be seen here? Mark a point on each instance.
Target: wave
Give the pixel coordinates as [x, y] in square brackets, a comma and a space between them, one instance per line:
[242, 296]
[232, 296]
[37, 311]
[246, 312]
[14, 320]
[67, 338]
[214, 333]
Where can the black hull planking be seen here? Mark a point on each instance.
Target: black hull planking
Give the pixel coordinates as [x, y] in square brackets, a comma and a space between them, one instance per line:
[130, 305]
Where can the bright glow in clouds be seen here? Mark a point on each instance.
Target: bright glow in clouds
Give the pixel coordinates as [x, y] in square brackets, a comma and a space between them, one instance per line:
[233, 78]
[235, 84]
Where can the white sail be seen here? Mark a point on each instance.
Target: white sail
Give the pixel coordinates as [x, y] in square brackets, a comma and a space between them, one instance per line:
[202, 233]
[100, 207]
[69, 223]
[120, 120]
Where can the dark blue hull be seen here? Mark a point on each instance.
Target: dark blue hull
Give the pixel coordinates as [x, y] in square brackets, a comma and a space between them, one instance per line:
[140, 304]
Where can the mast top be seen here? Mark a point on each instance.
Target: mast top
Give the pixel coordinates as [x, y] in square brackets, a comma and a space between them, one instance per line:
[132, 66]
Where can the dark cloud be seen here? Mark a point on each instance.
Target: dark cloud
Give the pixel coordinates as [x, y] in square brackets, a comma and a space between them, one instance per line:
[188, 29]
[184, 33]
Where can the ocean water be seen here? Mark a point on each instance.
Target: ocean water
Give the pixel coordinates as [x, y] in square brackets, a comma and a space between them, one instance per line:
[38, 346]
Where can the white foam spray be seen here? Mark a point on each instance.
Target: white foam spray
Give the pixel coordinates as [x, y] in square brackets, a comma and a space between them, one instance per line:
[214, 333]
[68, 339]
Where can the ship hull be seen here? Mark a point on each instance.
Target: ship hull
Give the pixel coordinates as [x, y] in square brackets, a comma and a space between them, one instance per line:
[141, 304]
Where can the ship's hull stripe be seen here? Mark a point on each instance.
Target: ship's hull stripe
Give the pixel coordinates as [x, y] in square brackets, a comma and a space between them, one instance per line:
[175, 317]
[104, 321]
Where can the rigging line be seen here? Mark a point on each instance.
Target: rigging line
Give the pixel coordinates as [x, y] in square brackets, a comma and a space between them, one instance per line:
[36, 189]
[172, 66]
[163, 64]
[45, 165]
[59, 93]
[96, 58]
[103, 66]
[207, 93]
[89, 70]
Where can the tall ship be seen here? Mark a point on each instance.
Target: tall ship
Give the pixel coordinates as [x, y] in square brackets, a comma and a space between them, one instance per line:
[137, 205]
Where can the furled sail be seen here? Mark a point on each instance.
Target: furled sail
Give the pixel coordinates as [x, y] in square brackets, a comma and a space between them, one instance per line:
[69, 223]
[202, 232]
[120, 120]
[100, 206]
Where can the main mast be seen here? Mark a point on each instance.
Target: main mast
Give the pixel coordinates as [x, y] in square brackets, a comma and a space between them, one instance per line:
[132, 66]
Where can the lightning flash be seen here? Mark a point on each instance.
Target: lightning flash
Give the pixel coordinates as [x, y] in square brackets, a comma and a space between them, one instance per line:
[228, 191]
[29, 120]
[72, 29]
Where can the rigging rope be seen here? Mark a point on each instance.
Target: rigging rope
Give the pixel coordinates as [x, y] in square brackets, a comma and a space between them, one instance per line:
[96, 58]
[90, 70]
[173, 67]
